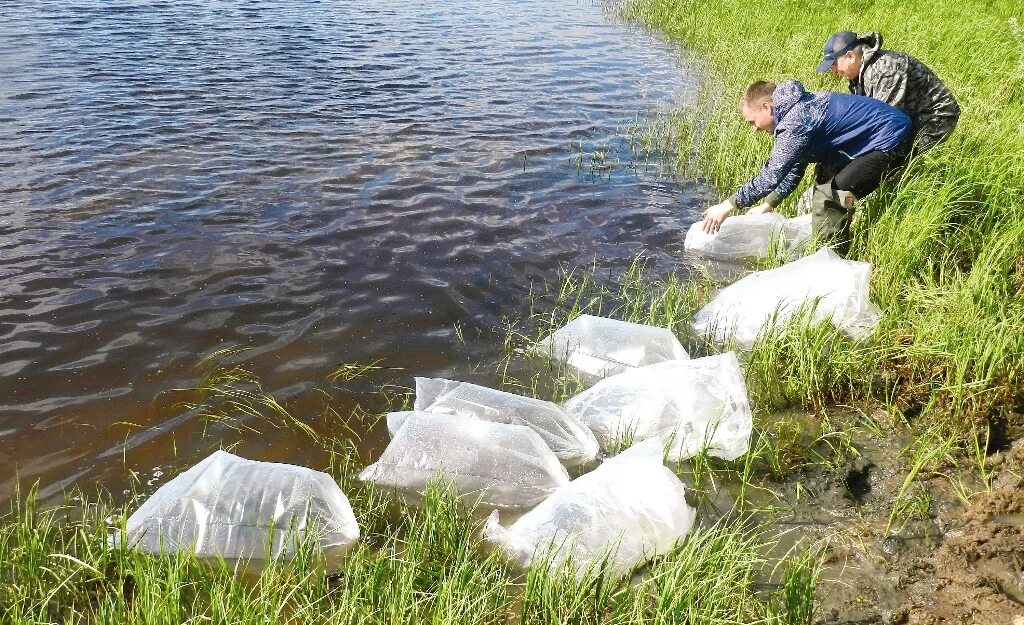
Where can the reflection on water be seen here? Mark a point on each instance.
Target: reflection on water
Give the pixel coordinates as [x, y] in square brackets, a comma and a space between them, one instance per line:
[322, 182]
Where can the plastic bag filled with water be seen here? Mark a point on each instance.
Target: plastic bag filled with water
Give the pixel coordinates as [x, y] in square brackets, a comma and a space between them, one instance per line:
[692, 405]
[749, 236]
[244, 511]
[493, 464]
[628, 510]
[830, 286]
[798, 231]
[601, 347]
[571, 441]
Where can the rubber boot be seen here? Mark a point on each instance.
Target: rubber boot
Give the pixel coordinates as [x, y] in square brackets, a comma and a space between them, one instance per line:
[831, 213]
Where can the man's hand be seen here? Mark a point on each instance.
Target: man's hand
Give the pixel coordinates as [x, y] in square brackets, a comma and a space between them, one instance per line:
[763, 207]
[714, 216]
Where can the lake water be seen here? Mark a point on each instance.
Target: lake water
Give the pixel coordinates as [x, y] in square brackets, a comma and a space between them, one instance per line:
[320, 182]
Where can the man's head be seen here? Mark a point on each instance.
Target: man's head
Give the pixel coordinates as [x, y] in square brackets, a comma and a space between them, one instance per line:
[756, 106]
[843, 55]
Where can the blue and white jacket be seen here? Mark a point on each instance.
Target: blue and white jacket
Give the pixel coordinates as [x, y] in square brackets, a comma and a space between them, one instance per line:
[829, 128]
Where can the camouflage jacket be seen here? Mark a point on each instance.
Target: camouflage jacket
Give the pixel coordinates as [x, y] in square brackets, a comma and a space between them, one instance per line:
[901, 80]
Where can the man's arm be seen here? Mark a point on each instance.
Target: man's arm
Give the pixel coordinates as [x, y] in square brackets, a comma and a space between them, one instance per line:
[777, 179]
[781, 175]
[788, 184]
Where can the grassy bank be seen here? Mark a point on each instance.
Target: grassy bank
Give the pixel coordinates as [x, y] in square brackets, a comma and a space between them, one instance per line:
[413, 565]
[946, 241]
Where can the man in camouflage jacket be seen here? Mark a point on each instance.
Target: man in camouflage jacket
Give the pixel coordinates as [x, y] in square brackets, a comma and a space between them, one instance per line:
[897, 79]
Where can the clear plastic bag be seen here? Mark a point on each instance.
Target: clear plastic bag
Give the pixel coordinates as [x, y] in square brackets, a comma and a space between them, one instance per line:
[692, 405]
[836, 288]
[493, 464]
[232, 508]
[600, 347]
[571, 441]
[798, 233]
[628, 510]
[739, 237]
[748, 236]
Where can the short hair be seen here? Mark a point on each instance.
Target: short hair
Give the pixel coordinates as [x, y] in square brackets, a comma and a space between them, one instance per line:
[757, 93]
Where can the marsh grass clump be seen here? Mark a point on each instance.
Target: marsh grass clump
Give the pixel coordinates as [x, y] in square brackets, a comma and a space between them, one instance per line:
[633, 295]
[798, 587]
[691, 585]
[808, 363]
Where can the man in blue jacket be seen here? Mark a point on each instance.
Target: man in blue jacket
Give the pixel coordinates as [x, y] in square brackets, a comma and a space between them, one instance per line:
[855, 142]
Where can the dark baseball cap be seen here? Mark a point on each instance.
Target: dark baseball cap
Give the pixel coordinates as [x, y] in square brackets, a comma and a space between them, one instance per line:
[836, 46]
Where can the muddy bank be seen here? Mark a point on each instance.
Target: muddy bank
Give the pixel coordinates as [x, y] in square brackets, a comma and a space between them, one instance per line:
[977, 575]
[942, 562]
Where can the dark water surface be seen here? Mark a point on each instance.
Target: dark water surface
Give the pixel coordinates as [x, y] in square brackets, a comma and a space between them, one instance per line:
[321, 182]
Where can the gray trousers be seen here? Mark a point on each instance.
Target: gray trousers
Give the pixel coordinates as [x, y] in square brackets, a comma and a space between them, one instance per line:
[831, 215]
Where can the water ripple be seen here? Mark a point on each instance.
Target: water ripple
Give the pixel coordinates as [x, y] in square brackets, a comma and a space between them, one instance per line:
[322, 182]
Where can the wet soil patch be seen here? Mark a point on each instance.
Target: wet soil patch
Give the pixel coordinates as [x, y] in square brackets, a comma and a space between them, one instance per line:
[946, 562]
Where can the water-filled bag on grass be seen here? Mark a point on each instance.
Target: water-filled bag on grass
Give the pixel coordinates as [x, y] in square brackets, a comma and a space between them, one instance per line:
[798, 232]
[568, 438]
[830, 286]
[246, 512]
[628, 510]
[601, 347]
[495, 464]
[739, 237]
[691, 405]
[748, 236]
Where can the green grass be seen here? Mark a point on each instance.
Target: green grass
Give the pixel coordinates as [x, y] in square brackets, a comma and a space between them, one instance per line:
[799, 582]
[414, 565]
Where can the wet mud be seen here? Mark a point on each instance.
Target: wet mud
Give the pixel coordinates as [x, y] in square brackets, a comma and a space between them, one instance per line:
[977, 574]
[941, 561]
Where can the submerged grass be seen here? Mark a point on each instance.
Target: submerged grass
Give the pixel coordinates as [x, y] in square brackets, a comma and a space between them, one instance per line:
[232, 394]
